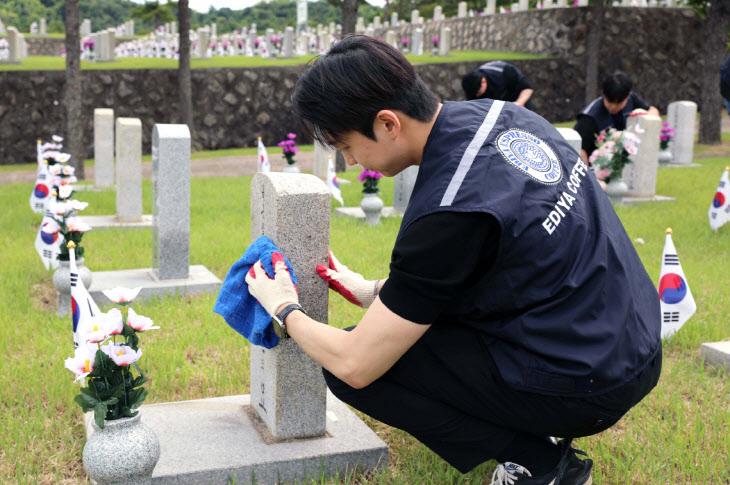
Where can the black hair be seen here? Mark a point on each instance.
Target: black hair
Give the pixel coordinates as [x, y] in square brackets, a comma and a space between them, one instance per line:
[617, 87]
[471, 84]
[344, 90]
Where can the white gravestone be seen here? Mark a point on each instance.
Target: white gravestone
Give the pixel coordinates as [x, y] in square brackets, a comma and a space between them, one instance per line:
[437, 15]
[462, 10]
[287, 388]
[491, 7]
[394, 19]
[403, 184]
[129, 169]
[103, 148]
[321, 157]
[445, 41]
[417, 42]
[289, 42]
[524, 5]
[640, 175]
[171, 201]
[415, 17]
[572, 137]
[681, 116]
[43, 27]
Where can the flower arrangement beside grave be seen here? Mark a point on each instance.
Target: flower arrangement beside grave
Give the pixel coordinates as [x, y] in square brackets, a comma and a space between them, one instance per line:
[369, 179]
[289, 148]
[66, 222]
[613, 152]
[108, 350]
[665, 135]
[435, 41]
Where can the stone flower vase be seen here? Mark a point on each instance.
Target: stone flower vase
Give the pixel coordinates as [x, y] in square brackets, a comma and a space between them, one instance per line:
[616, 191]
[665, 156]
[124, 452]
[62, 282]
[290, 168]
[372, 206]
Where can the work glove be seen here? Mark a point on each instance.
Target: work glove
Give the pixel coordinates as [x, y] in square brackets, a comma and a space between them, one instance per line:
[349, 284]
[274, 292]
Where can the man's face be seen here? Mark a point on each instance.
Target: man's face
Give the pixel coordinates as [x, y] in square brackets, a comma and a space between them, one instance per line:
[372, 155]
[482, 88]
[615, 108]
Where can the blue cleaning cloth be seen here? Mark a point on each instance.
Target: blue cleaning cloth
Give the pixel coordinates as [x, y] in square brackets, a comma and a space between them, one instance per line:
[238, 307]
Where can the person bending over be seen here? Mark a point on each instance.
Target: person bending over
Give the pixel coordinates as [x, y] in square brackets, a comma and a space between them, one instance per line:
[498, 80]
[610, 110]
[516, 308]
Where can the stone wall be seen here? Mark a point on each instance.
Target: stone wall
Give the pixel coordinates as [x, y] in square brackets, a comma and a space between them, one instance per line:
[657, 47]
[232, 107]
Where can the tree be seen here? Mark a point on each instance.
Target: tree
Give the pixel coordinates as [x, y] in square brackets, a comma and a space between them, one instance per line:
[153, 12]
[349, 14]
[74, 141]
[186, 98]
[594, 46]
[715, 49]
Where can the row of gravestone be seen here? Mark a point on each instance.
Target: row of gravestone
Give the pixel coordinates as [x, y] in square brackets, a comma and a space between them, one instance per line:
[17, 47]
[171, 271]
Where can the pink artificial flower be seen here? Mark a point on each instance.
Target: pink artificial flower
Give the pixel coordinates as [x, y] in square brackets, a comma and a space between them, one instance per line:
[291, 136]
[95, 329]
[75, 224]
[602, 174]
[122, 355]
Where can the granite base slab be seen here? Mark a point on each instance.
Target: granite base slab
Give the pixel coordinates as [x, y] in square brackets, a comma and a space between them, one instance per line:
[101, 223]
[213, 441]
[717, 354]
[641, 200]
[359, 214]
[679, 165]
[199, 280]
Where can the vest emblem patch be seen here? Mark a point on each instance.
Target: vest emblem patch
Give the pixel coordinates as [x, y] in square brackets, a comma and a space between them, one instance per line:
[531, 155]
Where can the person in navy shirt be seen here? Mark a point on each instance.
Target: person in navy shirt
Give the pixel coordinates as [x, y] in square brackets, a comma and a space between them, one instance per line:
[610, 110]
[516, 310]
[499, 80]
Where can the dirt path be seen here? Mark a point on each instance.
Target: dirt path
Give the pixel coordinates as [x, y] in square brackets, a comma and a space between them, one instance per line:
[208, 167]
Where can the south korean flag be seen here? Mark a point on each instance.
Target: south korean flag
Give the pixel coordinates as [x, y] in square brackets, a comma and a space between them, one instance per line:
[719, 212]
[677, 303]
[48, 242]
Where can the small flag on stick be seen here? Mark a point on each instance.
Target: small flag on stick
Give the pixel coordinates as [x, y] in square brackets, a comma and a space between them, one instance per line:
[83, 306]
[48, 242]
[677, 303]
[332, 181]
[719, 212]
[263, 158]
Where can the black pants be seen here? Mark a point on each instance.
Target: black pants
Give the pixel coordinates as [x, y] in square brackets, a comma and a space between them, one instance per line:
[447, 393]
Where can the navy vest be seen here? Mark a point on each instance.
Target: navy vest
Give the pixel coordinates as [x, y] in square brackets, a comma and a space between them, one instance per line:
[567, 308]
[603, 119]
[494, 72]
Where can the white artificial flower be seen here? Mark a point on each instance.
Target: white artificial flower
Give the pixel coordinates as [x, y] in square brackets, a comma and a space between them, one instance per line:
[139, 322]
[95, 329]
[75, 224]
[122, 354]
[54, 169]
[64, 191]
[81, 364]
[57, 208]
[115, 321]
[68, 170]
[122, 295]
[57, 139]
[63, 157]
[77, 205]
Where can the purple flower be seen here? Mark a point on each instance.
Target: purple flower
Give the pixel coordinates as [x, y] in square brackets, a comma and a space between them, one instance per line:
[404, 41]
[256, 42]
[291, 136]
[435, 40]
[369, 174]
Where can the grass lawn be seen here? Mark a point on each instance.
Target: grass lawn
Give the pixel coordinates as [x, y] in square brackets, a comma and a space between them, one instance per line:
[51, 63]
[680, 434]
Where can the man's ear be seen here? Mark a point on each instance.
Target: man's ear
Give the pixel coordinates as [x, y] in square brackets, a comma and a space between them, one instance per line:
[387, 123]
